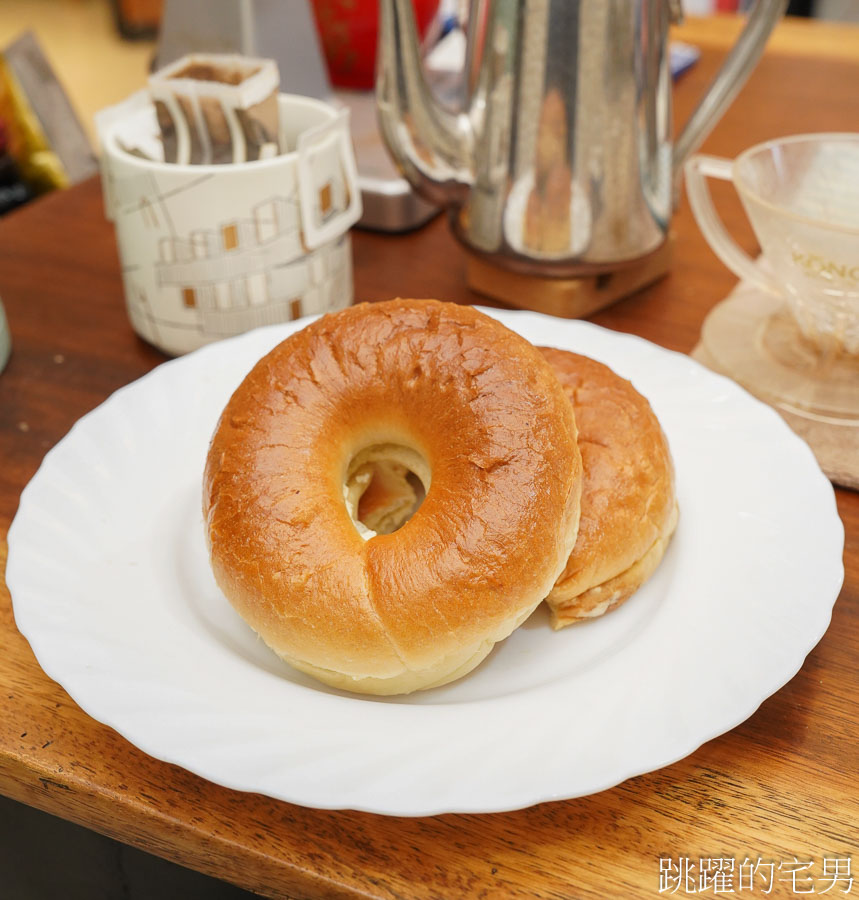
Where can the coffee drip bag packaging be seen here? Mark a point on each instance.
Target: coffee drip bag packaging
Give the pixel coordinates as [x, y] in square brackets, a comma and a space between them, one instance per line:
[215, 108]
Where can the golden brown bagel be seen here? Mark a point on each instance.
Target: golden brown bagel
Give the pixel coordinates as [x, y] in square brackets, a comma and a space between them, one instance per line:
[629, 510]
[474, 411]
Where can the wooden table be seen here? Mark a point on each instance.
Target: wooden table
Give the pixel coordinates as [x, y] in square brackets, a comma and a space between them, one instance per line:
[782, 784]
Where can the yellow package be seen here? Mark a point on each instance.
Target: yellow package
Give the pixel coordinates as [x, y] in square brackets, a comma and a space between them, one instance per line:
[40, 167]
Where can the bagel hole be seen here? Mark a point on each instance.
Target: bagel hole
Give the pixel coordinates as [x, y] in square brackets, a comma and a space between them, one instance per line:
[385, 486]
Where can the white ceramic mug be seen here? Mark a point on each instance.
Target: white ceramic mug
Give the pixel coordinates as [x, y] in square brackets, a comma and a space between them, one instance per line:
[801, 194]
[209, 251]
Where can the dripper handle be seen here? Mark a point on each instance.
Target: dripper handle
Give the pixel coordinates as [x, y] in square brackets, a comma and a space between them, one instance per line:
[698, 169]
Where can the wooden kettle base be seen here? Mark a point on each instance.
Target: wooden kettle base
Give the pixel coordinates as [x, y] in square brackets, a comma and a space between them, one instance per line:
[569, 298]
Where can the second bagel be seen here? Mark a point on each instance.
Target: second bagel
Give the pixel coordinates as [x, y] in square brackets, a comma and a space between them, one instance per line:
[629, 508]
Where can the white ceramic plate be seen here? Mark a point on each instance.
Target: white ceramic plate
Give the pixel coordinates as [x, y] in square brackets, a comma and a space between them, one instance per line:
[111, 585]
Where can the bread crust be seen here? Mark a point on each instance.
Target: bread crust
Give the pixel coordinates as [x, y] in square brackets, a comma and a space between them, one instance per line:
[410, 609]
[629, 508]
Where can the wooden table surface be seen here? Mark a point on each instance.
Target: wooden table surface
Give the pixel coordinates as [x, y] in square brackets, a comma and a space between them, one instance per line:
[779, 786]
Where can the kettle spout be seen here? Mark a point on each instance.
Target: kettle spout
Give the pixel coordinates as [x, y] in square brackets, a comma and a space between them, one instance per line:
[431, 144]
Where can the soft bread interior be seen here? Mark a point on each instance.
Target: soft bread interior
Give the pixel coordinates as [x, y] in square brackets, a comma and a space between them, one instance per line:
[379, 494]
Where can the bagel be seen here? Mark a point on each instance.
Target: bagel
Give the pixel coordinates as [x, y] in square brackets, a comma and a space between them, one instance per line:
[629, 509]
[387, 401]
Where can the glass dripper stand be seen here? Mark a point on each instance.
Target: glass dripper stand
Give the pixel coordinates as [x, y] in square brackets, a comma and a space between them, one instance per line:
[753, 338]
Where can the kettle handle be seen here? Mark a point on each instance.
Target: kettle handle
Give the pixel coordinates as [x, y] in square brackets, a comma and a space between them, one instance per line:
[731, 77]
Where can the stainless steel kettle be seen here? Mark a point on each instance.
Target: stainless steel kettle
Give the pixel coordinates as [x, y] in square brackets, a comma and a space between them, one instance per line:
[561, 160]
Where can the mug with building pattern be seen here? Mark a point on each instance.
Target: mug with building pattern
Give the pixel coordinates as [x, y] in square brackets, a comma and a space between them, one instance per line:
[209, 251]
